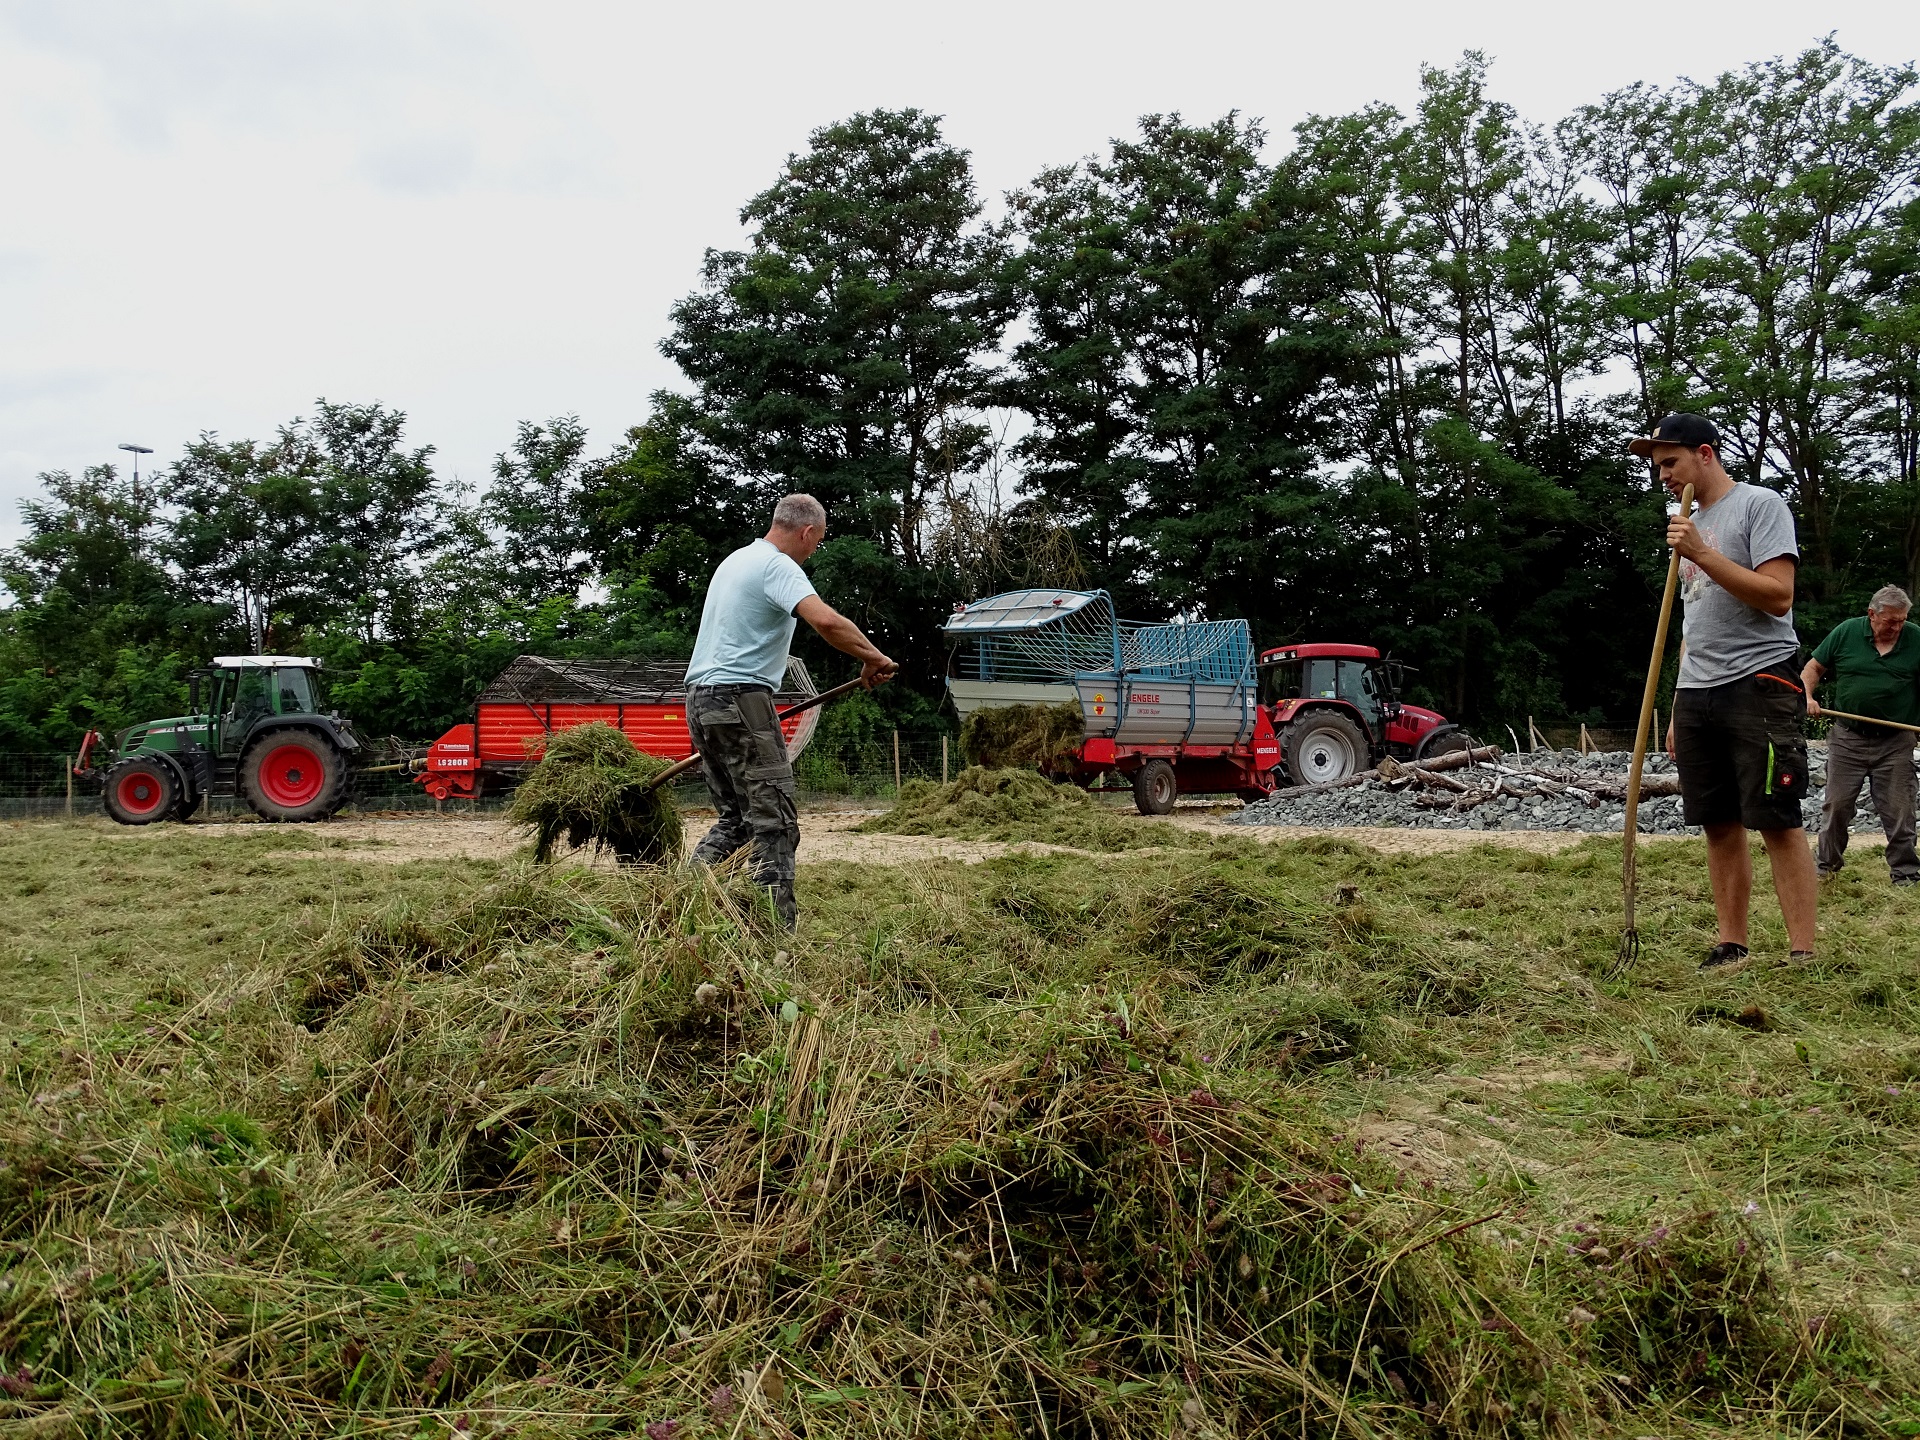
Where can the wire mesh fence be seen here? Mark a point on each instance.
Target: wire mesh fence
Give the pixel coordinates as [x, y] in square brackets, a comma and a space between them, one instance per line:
[36, 786]
[39, 786]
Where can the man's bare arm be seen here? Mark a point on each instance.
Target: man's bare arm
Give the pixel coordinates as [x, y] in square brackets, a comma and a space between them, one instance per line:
[1811, 674]
[845, 636]
[1768, 586]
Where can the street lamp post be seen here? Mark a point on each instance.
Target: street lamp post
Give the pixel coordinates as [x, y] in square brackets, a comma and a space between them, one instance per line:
[137, 451]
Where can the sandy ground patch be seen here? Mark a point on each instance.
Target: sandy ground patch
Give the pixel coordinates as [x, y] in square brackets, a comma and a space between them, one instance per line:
[1449, 1127]
[829, 835]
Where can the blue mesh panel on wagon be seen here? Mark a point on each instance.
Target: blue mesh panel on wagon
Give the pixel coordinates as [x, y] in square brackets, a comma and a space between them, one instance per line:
[1220, 651]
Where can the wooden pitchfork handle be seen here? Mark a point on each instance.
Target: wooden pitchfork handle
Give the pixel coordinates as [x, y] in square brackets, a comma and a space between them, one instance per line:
[680, 767]
[1654, 666]
[1865, 719]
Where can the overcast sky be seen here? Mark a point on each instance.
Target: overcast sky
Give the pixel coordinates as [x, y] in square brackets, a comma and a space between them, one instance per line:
[213, 211]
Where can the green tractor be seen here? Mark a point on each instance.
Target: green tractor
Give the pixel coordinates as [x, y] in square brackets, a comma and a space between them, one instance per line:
[260, 736]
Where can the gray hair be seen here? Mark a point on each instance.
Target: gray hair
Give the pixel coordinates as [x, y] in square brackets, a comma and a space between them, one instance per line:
[1890, 597]
[797, 512]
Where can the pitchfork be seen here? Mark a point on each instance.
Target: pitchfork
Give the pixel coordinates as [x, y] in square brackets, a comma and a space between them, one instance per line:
[1630, 937]
[680, 767]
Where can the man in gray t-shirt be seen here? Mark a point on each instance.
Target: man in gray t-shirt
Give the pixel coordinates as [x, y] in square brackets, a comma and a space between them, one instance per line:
[1738, 705]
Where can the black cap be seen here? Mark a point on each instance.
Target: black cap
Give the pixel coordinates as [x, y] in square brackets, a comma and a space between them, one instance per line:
[1692, 431]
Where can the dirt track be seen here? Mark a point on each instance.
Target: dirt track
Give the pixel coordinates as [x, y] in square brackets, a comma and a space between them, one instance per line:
[829, 835]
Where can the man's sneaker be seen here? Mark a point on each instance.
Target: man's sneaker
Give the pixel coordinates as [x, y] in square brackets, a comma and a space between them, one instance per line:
[1726, 958]
[1903, 880]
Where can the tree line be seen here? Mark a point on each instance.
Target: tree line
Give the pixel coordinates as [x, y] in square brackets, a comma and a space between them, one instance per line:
[1373, 388]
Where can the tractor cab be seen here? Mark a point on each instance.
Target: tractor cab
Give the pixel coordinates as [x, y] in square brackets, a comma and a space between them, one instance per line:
[1337, 710]
[1353, 675]
[243, 690]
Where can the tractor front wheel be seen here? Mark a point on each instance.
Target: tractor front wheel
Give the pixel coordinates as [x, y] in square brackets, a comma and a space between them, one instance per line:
[1154, 788]
[1323, 746]
[140, 791]
[1444, 741]
[292, 775]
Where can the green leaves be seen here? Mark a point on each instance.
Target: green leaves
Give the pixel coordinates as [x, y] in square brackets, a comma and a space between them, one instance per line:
[845, 353]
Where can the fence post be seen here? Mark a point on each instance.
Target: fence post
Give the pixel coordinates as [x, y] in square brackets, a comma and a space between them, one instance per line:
[896, 764]
[69, 760]
[1533, 738]
[1653, 740]
[943, 759]
[1583, 737]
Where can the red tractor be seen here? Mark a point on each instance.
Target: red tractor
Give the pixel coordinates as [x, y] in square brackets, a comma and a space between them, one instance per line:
[1336, 710]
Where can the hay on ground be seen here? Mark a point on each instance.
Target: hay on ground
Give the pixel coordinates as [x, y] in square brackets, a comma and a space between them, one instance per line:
[592, 786]
[1014, 805]
[575, 1155]
[1036, 737]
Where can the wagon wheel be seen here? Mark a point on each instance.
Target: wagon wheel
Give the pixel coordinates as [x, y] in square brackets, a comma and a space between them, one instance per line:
[293, 774]
[1155, 788]
[140, 791]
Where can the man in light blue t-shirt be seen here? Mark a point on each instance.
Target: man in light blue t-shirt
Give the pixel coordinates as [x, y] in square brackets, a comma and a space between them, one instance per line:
[739, 659]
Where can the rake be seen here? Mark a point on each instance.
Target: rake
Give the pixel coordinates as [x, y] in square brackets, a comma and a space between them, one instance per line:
[1629, 875]
[1827, 712]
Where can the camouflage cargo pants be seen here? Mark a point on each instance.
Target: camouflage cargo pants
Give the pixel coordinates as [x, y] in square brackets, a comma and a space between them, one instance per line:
[744, 759]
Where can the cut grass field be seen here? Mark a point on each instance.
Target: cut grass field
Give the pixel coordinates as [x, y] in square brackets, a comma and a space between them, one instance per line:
[1233, 1141]
[1015, 805]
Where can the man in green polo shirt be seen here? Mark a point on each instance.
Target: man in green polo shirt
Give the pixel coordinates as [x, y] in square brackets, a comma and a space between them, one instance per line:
[1874, 662]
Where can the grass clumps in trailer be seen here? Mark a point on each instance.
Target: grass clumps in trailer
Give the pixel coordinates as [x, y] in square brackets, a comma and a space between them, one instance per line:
[1035, 737]
[592, 786]
[1019, 805]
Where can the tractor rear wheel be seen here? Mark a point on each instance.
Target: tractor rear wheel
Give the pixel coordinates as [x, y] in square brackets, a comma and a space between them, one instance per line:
[1323, 746]
[293, 774]
[1154, 788]
[140, 791]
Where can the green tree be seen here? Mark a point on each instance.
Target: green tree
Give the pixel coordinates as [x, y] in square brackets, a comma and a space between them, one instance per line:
[1181, 357]
[376, 518]
[660, 512]
[847, 353]
[1747, 261]
[93, 634]
[1811, 153]
[243, 534]
[534, 502]
[1487, 508]
[1887, 351]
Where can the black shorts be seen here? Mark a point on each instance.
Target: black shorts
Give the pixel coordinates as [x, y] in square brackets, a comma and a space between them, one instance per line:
[1741, 751]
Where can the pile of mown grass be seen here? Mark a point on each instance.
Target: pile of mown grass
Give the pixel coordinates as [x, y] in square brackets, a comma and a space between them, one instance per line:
[593, 786]
[1012, 1149]
[1023, 737]
[981, 804]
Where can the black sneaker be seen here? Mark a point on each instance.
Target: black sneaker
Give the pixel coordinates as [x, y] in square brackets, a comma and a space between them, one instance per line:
[1902, 881]
[1726, 958]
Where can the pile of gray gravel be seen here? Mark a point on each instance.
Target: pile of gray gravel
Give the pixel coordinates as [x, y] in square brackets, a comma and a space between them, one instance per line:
[1373, 803]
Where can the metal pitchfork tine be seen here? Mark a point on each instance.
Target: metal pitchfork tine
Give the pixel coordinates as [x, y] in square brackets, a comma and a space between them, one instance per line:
[1629, 876]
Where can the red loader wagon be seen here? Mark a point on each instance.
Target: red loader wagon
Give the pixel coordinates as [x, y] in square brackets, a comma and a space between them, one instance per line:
[1182, 708]
[534, 697]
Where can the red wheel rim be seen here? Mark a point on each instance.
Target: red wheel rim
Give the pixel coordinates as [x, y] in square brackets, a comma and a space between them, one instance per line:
[292, 775]
[139, 793]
